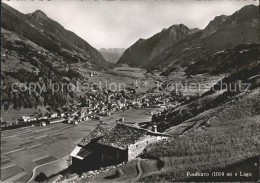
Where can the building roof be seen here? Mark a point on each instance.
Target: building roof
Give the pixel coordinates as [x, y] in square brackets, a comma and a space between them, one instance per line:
[121, 136]
[99, 131]
[124, 135]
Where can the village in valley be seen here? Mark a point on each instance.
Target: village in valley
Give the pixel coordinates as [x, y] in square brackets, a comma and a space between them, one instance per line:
[126, 114]
[98, 103]
[103, 130]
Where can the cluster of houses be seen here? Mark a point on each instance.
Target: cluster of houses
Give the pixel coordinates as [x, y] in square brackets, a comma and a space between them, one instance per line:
[106, 102]
[78, 116]
[30, 121]
[97, 104]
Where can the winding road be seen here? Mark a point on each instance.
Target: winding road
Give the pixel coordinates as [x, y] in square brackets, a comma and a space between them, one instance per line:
[34, 170]
[140, 171]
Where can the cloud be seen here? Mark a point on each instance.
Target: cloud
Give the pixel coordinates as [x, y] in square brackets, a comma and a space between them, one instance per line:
[118, 24]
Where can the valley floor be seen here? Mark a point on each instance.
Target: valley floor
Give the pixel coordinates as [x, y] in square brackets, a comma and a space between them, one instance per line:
[230, 138]
[23, 149]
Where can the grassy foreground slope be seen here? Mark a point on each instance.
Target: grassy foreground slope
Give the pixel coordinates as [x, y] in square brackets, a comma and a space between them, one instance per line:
[217, 138]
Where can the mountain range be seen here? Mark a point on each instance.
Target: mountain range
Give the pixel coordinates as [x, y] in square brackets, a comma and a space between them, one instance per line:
[141, 52]
[180, 46]
[37, 49]
[50, 35]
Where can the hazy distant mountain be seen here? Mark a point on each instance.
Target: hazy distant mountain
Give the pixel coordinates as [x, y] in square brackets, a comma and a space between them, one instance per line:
[112, 54]
[186, 46]
[143, 51]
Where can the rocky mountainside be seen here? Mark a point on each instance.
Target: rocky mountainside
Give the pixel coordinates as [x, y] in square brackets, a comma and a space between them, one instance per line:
[241, 27]
[226, 61]
[37, 50]
[170, 36]
[201, 125]
[50, 35]
[222, 33]
[214, 25]
[143, 51]
[112, 54]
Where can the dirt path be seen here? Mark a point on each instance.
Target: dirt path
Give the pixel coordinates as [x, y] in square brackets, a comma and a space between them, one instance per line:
[34, 170]
[140, 171]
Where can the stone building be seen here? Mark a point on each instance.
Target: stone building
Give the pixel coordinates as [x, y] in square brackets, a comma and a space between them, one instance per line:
[107, 146]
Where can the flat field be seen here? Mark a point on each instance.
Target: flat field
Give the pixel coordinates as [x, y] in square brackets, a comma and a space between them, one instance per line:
[23, 149]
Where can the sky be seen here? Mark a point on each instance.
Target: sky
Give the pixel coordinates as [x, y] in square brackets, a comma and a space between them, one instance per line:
[119, 24]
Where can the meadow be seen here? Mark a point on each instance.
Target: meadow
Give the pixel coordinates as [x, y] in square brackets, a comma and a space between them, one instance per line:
[231, 136]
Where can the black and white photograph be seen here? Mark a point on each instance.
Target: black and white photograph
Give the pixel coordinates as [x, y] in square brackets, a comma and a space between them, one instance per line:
[104, 91]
